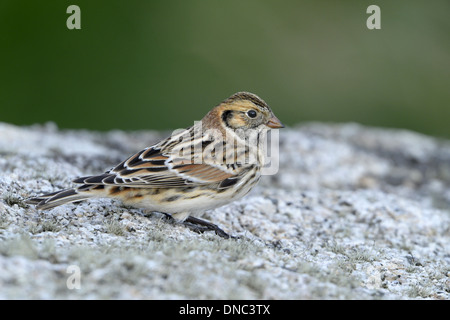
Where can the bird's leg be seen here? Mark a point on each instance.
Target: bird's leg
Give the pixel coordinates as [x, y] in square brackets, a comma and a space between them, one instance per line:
[196, 227]
[202, 226]
[168, 217]
[199, 225]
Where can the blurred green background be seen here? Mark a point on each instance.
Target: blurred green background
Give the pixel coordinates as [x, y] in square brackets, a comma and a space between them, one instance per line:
[139, 64]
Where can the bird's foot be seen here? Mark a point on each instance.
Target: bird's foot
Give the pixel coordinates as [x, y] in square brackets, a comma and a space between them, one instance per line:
[200, 226]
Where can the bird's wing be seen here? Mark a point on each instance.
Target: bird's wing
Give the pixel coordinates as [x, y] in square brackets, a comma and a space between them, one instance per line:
[159, 166]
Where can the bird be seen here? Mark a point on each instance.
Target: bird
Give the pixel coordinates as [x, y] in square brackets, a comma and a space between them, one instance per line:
[205, 166]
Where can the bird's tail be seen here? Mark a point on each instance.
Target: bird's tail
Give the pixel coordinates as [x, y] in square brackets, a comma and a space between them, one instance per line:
[51, 200]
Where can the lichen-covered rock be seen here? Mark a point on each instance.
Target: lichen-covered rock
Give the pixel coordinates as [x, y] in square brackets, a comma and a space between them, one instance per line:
[354, 212]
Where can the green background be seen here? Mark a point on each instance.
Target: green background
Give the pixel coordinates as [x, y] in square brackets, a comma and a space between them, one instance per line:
[139, 64]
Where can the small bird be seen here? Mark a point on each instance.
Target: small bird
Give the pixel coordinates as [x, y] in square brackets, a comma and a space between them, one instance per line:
[208, 165]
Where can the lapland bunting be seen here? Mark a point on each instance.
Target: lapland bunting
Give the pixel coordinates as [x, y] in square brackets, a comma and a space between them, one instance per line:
[213, 162]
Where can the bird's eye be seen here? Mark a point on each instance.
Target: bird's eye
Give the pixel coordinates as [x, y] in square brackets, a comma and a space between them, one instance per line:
[251, 113]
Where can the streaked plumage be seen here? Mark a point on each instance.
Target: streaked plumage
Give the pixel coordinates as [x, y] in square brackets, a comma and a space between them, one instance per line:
[205, 166]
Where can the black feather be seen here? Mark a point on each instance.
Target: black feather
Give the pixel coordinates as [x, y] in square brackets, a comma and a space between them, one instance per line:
[98, 179]
[228, 183]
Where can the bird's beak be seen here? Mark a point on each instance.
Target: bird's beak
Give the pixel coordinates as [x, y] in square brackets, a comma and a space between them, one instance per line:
[274, 123]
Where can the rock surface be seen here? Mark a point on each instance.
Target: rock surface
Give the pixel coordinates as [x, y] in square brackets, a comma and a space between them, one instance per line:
[353, 213]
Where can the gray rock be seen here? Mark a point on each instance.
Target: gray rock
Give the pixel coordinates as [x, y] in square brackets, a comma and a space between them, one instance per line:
[353, 213]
